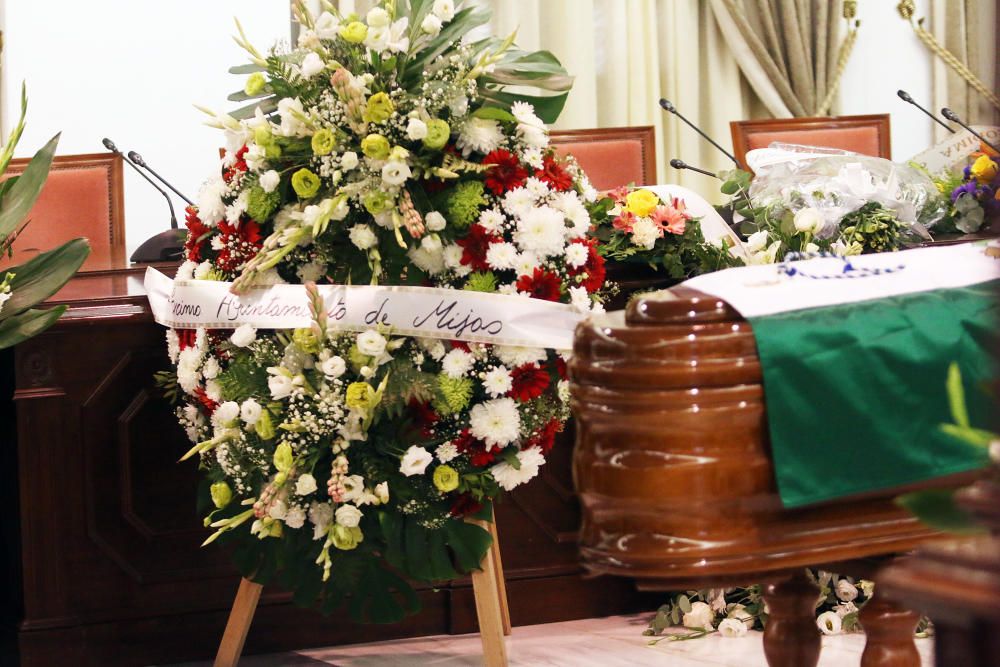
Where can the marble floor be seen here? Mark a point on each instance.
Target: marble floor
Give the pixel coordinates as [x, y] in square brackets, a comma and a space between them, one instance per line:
[615, 641]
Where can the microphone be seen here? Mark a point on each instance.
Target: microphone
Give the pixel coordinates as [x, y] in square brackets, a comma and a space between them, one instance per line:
[667, 106]
[681, 164]
[905, 96]
[137, 159]
[165, 246]
[953, 117]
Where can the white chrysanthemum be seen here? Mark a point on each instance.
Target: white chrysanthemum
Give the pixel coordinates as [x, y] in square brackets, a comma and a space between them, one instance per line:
[415, 461]
[432, 243]
[311, 271]
[457, 363]
[363, 237]
[532, 137]
[514, 356]
[173, 345]
[525, 114]
[497, 381]
[492, 220]
[576, 255]
[496, 422]
[479, 134]
[518, 201]
[537, 187]
[541, 230]
[580, 299]
[509, 289]
[452, 258]
[644, 233]
[534, 157]
[526, 263]
[430, 261]
[395, 173]
[574, 210]
[446, 452]
[211, 208]
[186, 270]
[501, 256]
[235, 211]
[210, 369]
[509, 477]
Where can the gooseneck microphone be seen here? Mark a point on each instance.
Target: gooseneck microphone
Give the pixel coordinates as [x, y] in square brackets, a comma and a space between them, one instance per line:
[136, 159]
[165, 246]
[681, 164]
[667, 106]
[905, 96]
[953, 117]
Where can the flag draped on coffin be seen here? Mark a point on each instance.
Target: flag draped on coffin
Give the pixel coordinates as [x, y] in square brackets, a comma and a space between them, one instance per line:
[855, 362]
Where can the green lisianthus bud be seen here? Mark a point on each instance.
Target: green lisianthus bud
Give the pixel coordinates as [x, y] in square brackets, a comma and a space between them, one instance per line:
[438, 132]
[221, 494]
[354, 32]
[264, 426]
[359, 396]
[379, 108]
[375, 146]
[283, 457]
[305, 183]
[345, 538]
[376, 202]
[255, 83]
[306, 340]
[445, 478]
[323, 142]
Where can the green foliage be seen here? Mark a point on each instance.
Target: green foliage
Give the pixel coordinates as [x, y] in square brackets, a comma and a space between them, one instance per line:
[874, 227]
[245, 377]
[937, 509]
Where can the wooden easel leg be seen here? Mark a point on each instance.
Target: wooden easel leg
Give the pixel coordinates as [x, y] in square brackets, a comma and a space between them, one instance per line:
[486, 588]
[501, 583]
[889, 629]
[240, 617]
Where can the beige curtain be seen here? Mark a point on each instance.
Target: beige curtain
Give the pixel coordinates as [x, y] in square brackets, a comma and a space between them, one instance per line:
[789, 49]
[626, 55]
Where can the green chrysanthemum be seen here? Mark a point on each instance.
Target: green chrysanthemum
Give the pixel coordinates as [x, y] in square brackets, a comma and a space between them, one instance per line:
[464, 203]
[455, 393]
[261, 205]
[482, 281]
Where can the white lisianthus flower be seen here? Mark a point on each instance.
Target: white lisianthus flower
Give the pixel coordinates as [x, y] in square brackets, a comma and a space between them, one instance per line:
[378, 18]
[415, 461]
[416, 129]
[700, 616]
[269, 180]
[395, 173]
[312, 65]
[492, 220]
[321, 516]
[645, 233]
[846, 591]
[243, 335]
[371, 343]
[496, 422]
[431, 25]
[333, 367]
[354, 488]
[305, 485]
[845, 608]
[497, 381]
[444, 9]
[431, 243]
[226, 414]
[576, 255]
[457, 363]
[808, 220]
[281, 386]
[501, 256]
[768, 256]
[363, 237]
[295, 518]
[541, 231]
[479, 134]
[446, 452]
[829, 623]
[730, 628]
[326, 26]
[434, 221]
[509, 477]
[349, 160]
[250, 411]
[757, 241]
[811, 247]
[348, 516]
[526, 263]
[382, 492]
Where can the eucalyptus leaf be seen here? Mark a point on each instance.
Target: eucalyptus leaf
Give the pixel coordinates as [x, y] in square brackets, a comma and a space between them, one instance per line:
[43, 275]
[248, 68]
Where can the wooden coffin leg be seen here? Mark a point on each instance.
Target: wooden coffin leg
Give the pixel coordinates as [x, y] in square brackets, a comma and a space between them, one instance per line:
[240, 617]
[791, 638]
[889, 629]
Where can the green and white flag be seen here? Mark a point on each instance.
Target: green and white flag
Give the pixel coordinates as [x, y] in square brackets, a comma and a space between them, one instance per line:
[854, 355]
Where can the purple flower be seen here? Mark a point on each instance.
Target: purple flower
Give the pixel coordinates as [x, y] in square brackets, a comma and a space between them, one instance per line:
[965, 188]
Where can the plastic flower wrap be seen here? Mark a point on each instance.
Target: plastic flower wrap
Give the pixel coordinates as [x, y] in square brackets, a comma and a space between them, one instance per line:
[380, 150]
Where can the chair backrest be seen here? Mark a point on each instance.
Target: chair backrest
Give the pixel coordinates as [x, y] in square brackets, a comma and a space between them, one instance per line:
[611, 156]
[868, 135]
[83, 196]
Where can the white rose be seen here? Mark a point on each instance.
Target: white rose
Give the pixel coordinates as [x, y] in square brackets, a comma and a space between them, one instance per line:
[382, 492]
[395, 173]
[349, 160]
[333, 367]
[415, 461]
[700, 616]
[280, 385]
[730, 627]
[312, 65]
[435, 221]
[846, 591]
[371, 343]
[363, 237]
[250, 411]
[348, 516]
[444, 9]
[431, 25]
[808, 220]
[416, 129]
[269, 180]
[305, 485]
[829, 623]
[243, 335]
[377, 18]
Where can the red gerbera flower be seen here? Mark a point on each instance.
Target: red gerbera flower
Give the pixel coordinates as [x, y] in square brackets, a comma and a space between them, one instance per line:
[545, 437]
[424, 416]
[528, 382]
[475, 449]
[594, 267]
[561, 367]
[239, 165]
[196, 237]
[541, 284]
[186, 338]
[464, 505]
[207, 404]
[474, 246]
[505, 173]
[554, 175]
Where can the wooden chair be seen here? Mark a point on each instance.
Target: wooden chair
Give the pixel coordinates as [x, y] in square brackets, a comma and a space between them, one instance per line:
[611, 156]
[83, 196]
[868, 135]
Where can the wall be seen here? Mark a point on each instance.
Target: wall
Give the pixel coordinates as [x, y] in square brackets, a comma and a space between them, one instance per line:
[131, 71]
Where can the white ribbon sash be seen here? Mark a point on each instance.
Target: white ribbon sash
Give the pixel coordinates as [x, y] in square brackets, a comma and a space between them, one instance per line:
[428, 312]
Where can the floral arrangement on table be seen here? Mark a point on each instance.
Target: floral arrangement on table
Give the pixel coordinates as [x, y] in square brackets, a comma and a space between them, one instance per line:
[379, 150]
[972, 194]
[26, 285]
[642, 228]
[732, 612]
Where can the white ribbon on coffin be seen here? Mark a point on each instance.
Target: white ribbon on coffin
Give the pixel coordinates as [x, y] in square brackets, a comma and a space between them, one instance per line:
[428, 312]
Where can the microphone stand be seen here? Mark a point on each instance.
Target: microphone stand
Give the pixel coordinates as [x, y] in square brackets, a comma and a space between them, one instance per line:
[905, 96]
[667, 106]
[137, 159]
[953, 117]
